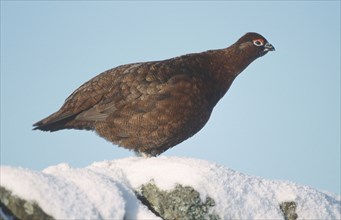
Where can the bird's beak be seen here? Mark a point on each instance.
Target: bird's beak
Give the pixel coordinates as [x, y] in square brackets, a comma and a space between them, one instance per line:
[268, 47]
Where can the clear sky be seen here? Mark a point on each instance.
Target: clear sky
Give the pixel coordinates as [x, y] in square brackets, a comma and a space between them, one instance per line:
[279, 120]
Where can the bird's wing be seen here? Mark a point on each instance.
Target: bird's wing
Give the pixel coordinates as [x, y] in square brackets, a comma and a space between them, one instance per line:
[87, 97]
[140, 87]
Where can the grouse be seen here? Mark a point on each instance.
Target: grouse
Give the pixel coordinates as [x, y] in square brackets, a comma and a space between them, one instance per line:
[149, 107]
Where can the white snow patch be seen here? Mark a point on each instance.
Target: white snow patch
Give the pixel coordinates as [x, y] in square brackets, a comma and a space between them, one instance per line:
[105, 190]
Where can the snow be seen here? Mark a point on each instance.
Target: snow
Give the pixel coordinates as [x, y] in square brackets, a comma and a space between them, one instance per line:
[105, 190]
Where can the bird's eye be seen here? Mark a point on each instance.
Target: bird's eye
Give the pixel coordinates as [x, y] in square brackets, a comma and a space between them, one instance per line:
[258, 42]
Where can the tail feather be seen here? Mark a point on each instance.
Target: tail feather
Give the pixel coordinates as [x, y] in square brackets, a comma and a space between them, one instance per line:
[54, 122]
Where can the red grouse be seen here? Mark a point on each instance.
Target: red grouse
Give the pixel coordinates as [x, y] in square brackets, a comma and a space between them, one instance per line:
[150, 107]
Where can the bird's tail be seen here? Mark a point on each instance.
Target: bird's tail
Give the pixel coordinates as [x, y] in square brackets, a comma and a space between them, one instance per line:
[54, 122]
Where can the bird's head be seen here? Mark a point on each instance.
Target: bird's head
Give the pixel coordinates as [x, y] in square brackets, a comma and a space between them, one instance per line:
[254, 44]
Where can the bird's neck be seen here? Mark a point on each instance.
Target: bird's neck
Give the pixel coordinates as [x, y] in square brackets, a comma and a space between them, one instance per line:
[226, 65]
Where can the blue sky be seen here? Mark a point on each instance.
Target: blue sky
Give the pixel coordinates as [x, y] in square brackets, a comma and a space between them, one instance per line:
[279, 120]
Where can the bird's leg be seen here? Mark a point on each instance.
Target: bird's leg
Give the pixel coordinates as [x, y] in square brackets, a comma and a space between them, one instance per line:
[142, 154]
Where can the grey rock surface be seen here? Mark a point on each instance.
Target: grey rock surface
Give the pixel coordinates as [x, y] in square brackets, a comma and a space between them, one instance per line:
[183, 202]
[289, 210]
[13, 207]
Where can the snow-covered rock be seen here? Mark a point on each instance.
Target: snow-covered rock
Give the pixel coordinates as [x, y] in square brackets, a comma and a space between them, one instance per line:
[107, 190]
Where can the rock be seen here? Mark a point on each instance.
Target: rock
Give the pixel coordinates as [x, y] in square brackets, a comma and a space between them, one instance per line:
[13, 207]
[289, 210]
[183, 202]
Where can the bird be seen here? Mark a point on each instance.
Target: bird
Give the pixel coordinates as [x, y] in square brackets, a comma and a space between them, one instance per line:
[149, 107]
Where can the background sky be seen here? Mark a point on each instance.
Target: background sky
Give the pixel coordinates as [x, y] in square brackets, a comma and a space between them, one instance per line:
[279, 120]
